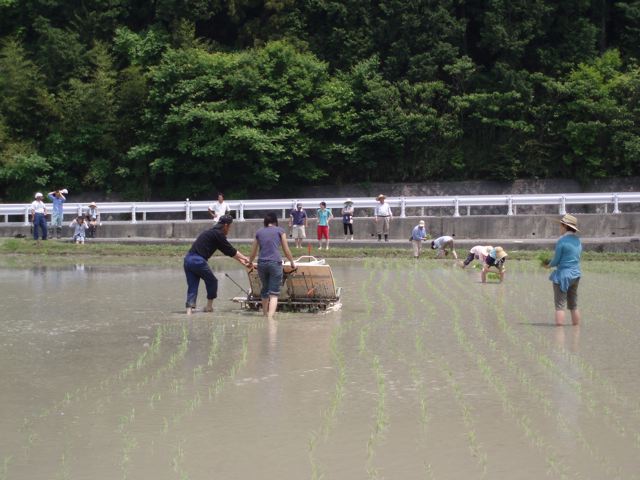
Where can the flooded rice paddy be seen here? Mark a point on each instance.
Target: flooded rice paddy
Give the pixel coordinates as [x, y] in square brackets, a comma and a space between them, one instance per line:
[424, 374]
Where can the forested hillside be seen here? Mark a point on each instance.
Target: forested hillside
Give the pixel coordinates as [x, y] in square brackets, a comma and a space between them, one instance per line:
[176, 98]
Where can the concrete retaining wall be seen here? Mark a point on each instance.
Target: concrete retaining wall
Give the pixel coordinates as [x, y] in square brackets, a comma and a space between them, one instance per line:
[525, 227]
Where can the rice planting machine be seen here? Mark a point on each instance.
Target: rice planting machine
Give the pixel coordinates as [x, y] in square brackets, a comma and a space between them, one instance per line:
[310, 287]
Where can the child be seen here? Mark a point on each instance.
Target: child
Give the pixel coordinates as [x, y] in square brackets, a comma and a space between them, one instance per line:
[324, 215]
[79, 228]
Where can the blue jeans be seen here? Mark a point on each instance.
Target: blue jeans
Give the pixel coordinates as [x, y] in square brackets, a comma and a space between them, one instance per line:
[196, 268]
[270, 274]
[40, 220]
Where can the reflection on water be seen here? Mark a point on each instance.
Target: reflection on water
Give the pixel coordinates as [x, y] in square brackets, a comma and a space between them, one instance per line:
[104, 377]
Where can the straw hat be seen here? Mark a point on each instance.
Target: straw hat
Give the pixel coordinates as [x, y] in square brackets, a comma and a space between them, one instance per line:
[381, 196]
[500, 253]
[348, 201]
[93, 204]
[38, 195]
[570, 221]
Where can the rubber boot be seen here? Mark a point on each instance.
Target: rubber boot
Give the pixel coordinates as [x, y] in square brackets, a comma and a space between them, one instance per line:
[58, 232]
[386, 237]
[379, 237]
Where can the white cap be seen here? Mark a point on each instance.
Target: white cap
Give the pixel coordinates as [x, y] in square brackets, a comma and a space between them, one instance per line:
[421, 223]
[39, 195]
[64, 190]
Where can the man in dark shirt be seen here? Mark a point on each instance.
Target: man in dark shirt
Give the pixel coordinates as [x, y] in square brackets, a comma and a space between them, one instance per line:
[196, 266]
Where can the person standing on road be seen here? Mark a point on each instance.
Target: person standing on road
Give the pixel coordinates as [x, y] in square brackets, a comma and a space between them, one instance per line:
[269, 240]
[218, 209]
[93, 219]
[324, 215]
[57, 212]
[298, 224]
[383, 216]
[196, 264]
[418, 235]
[566, 276]
[347, 219]
[443, 245]
[38, 211]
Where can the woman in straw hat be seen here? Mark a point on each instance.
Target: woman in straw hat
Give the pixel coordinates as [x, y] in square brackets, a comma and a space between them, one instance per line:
[496, 258]
[567, 274]
[347, 219]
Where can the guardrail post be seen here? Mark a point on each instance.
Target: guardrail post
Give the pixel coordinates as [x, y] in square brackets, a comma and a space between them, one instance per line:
[241, 219]
[615, 204]
[133, 213]
[456, 211]
[187, 210]
[403, 207]
[510, 202]
[79, 210]
[468, 210]
[144, 216]
[563, 205]
[26, 216]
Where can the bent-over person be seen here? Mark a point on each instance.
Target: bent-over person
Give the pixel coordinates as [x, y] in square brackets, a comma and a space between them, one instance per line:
[196, 264]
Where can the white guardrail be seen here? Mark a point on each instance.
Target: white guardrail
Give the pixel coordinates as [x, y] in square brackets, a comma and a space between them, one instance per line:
[135, 209]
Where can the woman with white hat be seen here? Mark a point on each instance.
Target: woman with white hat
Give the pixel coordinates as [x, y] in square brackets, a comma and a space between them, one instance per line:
[496, 258]
[418, 235]
[347, 219]
[567, 274]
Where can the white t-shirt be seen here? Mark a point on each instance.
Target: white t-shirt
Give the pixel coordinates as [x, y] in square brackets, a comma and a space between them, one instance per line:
[480, 251]
[383, 210]
[38, 206]
[219, 209]
[440, 241]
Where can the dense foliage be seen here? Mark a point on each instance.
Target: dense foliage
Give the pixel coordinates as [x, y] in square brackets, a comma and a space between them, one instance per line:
[176, 98]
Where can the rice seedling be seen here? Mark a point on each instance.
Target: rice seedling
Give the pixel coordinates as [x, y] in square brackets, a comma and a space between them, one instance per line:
[544, 258]
[6, 461]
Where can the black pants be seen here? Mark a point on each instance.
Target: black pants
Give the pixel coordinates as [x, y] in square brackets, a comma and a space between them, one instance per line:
[349, 227]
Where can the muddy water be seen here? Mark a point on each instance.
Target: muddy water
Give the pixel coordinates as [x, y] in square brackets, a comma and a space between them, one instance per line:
[424, 373]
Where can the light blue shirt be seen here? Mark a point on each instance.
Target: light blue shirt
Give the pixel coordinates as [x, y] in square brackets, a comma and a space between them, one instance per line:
[566, 260]
[323, 217]
[57, 203]
[418, 233]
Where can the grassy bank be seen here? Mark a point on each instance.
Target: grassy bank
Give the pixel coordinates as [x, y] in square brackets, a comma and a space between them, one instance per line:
[54, 252]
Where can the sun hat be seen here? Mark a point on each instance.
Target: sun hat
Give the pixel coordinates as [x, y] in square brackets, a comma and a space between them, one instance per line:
[381, 196]
[500, 253]
[38, 195]
[225, 220]
[64, 191]
[421, 223]
[570, 221]
[348, 200]
[93, 204]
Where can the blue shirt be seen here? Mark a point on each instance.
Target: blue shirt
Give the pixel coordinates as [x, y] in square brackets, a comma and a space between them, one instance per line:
[270, 240]
[418, 233]
[298, 216]
[323, 217]
[566, 260]
[57, 203]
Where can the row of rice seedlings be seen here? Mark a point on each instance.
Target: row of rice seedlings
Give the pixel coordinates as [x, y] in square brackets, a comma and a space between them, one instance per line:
[541, 397]
[4, 472]
[468, 420]
[381, 417]
[554, 464]
[177, 462]
[329, 414]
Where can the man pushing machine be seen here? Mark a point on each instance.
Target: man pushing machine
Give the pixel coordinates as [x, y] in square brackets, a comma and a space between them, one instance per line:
[196, 264]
